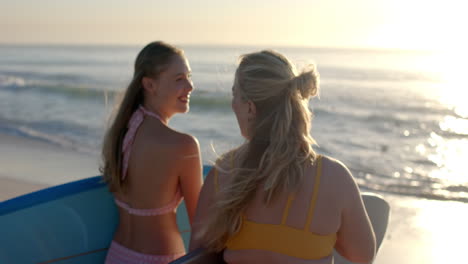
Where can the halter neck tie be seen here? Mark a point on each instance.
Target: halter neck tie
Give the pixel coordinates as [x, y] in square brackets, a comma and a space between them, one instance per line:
[133, 124]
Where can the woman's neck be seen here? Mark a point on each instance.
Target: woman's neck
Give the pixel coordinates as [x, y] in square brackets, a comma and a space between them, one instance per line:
[164, 117]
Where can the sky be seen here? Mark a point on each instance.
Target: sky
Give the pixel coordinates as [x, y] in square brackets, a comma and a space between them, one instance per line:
[397, 24]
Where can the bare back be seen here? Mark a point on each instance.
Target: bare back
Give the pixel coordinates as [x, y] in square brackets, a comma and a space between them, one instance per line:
[162, 162]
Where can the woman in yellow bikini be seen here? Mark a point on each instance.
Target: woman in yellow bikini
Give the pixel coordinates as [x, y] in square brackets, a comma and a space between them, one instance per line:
[274, 199]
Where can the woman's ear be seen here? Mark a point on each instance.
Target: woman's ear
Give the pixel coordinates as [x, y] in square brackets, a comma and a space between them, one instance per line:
[252, 111]
[149, 85]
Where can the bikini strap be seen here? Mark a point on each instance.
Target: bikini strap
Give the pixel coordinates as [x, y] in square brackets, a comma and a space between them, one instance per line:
[168, 208]
[313, 201]
[286, 209]
[148, 112]
[133, 124]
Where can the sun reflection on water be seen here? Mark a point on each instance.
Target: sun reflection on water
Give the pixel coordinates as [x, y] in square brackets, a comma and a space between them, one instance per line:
[454, 125]
[450, 157]
[447, 147]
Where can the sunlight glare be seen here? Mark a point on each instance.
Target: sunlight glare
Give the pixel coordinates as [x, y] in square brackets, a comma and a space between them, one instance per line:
[450, 157]
[444, 223]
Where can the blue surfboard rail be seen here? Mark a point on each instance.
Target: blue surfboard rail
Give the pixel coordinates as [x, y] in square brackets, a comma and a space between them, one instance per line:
[49, 194]
[57, 192]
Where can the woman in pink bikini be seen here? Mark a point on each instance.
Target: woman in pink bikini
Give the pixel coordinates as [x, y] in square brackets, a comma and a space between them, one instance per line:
[148, 166]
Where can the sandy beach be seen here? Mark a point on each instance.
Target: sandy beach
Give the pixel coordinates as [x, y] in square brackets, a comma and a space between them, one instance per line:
[420, 230]
[27, 165]
[11, 188]
[424, 231]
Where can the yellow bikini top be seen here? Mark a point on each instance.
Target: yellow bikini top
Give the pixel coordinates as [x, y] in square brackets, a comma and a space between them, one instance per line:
[294, 242]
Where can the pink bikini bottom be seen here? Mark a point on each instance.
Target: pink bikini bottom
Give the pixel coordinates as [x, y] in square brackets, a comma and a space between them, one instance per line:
[119, 254]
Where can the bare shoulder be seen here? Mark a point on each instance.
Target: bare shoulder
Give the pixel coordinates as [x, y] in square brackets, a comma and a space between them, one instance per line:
[171, 141]
[335, 166]
[185, 144]
[342, 182]
[340, 175]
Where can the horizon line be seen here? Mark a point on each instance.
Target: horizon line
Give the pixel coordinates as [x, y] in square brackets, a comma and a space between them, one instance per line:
[221, 45]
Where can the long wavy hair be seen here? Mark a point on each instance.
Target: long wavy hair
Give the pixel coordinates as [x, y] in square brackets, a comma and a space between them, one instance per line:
[280, 142]
[152, 60]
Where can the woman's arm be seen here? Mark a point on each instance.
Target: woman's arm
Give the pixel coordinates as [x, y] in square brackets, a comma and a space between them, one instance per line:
[356, 238]
[190, 175]
[204, 203]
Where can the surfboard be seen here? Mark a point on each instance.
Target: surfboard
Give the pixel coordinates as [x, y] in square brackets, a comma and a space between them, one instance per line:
[74, 223]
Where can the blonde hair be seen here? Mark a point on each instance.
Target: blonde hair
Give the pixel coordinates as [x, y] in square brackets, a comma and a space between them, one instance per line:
[152, 60]
[280, 143]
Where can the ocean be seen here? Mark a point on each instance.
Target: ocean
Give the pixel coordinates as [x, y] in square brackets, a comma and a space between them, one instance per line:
[397, 119]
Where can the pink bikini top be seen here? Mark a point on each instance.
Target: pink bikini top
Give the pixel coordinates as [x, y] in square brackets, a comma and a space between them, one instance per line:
[135, 121]
[169, 208]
